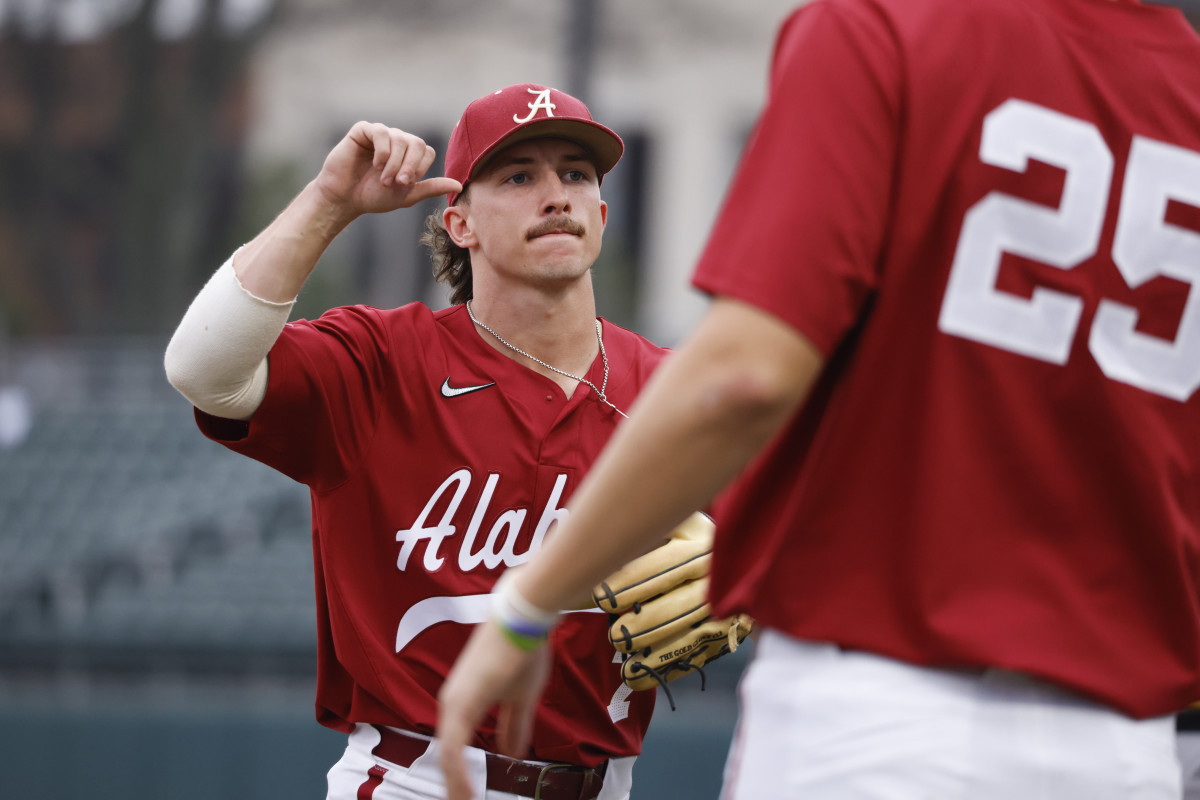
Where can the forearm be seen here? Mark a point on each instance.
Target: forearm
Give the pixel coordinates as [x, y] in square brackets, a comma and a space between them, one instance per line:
[276, 263]
[706, 413]
[217, 357]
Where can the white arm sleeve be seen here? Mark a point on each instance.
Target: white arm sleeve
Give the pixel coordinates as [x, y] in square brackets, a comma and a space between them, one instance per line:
[217, 358]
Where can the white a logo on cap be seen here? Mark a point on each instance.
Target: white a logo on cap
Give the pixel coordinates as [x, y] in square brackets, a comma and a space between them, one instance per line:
[542, 101]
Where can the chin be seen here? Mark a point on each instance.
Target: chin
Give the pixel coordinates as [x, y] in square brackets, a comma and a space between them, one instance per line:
[562, 273]
[566, 260]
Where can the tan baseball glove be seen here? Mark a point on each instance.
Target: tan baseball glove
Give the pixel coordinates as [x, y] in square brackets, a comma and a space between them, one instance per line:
[660, 617]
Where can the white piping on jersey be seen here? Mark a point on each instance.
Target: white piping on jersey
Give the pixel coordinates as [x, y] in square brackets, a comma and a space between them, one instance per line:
[455, 391]
[467, 609]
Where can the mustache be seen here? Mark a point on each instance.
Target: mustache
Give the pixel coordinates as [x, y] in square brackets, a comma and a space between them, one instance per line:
[555, 225]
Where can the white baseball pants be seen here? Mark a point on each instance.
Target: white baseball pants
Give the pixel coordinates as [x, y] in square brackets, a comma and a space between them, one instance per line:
[817, 721]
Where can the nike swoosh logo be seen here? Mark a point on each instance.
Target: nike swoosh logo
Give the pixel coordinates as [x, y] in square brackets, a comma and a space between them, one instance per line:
[455, 391]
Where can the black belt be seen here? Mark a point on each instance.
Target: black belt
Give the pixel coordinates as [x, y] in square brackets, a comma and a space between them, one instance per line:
[542, 781]
[1188, 719]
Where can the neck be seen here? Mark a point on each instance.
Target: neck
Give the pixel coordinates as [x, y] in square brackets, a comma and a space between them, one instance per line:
[560, 331]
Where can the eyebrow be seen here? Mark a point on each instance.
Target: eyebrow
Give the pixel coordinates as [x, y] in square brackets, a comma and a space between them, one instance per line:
[502, 162]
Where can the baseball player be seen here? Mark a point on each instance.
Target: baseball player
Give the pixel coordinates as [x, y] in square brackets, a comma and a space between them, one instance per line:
[951, 370]
[440, 447]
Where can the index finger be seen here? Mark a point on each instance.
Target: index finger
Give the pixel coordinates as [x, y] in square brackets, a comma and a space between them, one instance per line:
[373, 136]
[417, 159]
[404, 150]
[490, 670]
[453, 735]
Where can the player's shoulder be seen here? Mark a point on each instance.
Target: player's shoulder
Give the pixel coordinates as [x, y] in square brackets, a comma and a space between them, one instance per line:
[900, 16]
[417, 322]
[907, 8]
[445, 315]
[964, 22]
[893, 9]
[347, 313]
[365, 324]
[867, 25]
[623, 340]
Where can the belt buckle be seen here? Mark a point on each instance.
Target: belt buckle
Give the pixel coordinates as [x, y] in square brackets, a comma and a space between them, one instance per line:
[537, 788]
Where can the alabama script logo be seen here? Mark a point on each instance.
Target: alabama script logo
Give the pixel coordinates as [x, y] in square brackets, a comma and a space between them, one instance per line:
[492, 552]
[498, 547]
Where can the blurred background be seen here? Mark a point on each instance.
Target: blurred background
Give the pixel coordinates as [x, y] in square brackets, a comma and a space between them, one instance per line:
[156, 603]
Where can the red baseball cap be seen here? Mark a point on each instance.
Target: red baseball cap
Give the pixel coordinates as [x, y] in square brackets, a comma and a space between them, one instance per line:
[519, 112]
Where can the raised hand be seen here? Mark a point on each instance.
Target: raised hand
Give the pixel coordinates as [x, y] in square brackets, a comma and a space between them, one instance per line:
[375, 169]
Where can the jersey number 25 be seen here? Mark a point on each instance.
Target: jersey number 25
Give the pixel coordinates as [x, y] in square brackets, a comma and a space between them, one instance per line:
[1145, 246]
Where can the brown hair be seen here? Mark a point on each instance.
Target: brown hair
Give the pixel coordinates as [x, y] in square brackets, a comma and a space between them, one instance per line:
[451, 263]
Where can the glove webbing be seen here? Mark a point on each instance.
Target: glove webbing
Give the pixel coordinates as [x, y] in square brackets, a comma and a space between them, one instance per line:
[662, 680]
[685, 665]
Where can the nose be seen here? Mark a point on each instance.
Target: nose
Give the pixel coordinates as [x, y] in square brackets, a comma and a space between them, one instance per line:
[557, 201]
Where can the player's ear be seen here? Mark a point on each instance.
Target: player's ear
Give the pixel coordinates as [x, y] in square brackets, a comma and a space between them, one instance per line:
[457, 222]
[603, 215]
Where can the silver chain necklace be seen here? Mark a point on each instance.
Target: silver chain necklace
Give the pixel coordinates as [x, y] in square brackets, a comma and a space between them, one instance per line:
[603, 356]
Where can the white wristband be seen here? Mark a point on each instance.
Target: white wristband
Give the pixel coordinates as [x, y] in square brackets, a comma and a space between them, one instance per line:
[516, 614]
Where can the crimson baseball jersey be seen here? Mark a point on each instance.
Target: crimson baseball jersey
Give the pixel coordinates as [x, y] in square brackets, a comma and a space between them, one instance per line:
[435, 462]
[986, 215]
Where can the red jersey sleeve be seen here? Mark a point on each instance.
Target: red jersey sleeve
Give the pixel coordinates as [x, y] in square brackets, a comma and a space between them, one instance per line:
[322, 400]
[829, 124]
